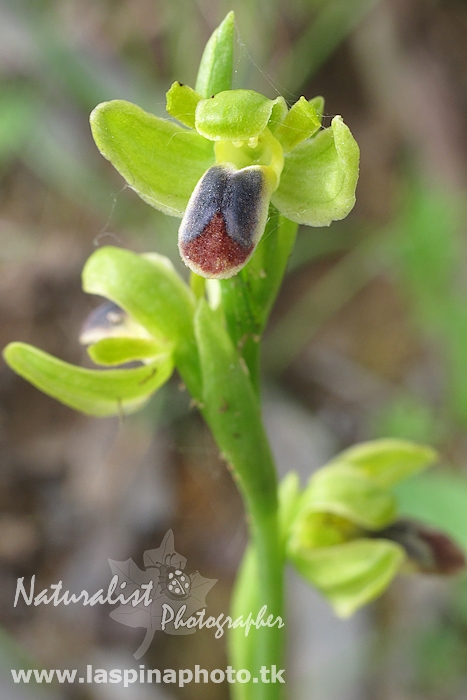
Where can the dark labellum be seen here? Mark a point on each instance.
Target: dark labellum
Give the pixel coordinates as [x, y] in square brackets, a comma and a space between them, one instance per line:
[224, 220]
[430, 550]
[107, 320]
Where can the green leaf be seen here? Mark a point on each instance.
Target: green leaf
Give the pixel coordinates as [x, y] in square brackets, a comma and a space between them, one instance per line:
[160, 160]
[216, 67]
[117, 351]
[231, 407]
[388, 461]
[301, 122]
[351, 574]
[234, 115]
[181, 103]
[155, 296]
[342, 490]
[319, 177]
[94, 392]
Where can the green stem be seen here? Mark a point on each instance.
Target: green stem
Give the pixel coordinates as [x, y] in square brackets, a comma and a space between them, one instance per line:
[259, 583]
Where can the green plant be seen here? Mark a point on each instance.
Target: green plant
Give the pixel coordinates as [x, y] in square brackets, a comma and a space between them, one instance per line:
[242, 172]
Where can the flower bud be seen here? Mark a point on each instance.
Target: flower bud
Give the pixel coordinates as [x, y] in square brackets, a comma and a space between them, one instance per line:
[224, 220]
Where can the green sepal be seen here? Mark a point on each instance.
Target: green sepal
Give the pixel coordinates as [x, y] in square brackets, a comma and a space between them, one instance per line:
[160, 160]
[388, 461]
[181, 103]
[301, 122]
[231, 407]
[216, 66]
[149, 289]
[352, 574]
[234, 115]
[118, 351]
[94, 392]
[344, 491]
[319, 177]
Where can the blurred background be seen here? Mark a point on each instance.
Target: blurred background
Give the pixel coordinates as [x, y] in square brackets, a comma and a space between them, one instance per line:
[368, 338]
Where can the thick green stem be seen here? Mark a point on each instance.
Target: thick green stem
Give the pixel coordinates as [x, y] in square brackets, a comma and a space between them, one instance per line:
[269, 640]
[260, 583]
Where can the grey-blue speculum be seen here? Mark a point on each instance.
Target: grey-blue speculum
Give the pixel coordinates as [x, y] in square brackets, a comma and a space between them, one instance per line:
[224, 220]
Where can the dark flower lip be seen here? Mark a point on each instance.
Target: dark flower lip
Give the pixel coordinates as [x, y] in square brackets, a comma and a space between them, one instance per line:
[224, 220]
[214, 252]
[430, 550]
[106, 320]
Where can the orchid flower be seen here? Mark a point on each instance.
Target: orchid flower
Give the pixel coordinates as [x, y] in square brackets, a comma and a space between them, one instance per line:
[232, 155]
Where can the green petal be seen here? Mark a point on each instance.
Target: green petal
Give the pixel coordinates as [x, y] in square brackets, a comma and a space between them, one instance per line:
[94, 392]
[351, 574]
[341, 490]
[319, 178]
[318, 104]
[301, 122]
[278, 114]
[216, 67]
[234, 115]
[312, 530]
[160, 160]
[387, 462]
[181, 103]
[117, 351]
[150, 290]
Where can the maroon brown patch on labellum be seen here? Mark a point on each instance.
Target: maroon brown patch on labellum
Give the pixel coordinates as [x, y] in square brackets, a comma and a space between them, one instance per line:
[447, 555]
[213, 250]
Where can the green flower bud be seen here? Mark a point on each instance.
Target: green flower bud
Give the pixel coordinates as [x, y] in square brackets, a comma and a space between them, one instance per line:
[344, 536]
